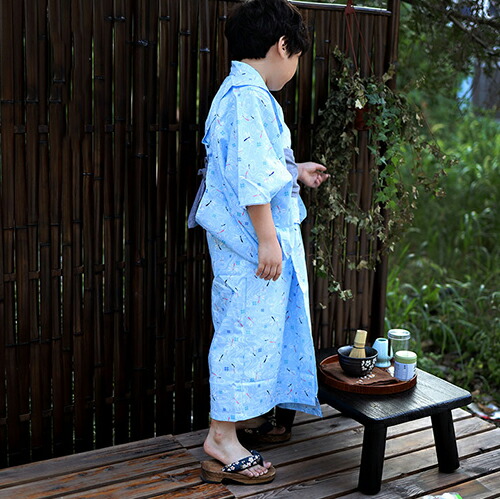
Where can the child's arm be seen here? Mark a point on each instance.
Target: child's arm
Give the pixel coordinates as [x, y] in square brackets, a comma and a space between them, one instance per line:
[269, 246]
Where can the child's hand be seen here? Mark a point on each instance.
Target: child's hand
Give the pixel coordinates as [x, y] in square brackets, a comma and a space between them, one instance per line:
[269, 259]
[312, 174]
[269, 247]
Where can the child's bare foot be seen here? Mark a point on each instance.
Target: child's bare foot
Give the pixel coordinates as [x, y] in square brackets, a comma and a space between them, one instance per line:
[223, 445]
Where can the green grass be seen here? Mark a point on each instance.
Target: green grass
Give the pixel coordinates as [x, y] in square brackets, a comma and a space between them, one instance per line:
[444, 279]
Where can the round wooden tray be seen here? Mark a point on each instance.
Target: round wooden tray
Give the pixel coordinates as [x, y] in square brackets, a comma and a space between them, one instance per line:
[399, 386]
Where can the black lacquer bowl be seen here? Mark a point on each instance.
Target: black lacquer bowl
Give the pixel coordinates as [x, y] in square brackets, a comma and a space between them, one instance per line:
[354, 366]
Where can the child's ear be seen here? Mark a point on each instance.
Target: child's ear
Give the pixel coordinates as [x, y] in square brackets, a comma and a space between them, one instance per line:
[282, 49]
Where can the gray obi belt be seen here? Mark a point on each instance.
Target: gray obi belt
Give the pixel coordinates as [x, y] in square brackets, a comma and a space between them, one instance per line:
[291, 166]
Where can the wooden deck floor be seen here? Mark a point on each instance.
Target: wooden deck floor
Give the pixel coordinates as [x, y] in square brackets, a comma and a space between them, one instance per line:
[321, 460]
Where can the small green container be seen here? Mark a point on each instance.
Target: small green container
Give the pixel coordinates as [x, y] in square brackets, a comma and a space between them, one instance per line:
[405, 363]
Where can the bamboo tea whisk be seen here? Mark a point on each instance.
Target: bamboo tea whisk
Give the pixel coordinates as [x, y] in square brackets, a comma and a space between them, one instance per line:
[358, 350]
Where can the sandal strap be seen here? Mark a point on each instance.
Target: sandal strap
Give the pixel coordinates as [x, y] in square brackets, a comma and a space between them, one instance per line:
[246, 462]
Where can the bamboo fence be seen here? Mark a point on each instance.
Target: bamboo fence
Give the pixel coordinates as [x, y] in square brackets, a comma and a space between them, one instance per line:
[105, 317]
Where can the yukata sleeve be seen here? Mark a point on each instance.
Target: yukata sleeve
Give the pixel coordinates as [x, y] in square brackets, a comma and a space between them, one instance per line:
[260, 171]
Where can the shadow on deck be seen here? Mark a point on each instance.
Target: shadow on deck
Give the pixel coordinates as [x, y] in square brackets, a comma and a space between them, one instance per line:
[321, 460]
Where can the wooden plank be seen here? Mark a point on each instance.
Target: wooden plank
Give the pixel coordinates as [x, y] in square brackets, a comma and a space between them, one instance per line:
[344, 466]
[196, 438]
[192, 439]
[86, 460]
[352, 437]
[330, 486]
[317, 427]
[337, 486]
[397, 443]
[303, 417]
[111, 475]
[301, 432]
[320, 465]
[312, 441]
[421, 483]
[203, 491]
[485, 487]
[425, 438]
[402, 428]
[176, 484]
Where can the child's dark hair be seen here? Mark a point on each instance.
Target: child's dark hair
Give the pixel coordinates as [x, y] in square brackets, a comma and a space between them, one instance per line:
[255, 26]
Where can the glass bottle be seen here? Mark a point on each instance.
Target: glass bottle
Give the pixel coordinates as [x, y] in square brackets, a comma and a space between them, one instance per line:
[399, 339]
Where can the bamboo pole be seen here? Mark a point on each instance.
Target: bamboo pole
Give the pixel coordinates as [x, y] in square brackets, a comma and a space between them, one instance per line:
[136, 227]
[187, 156]
[169, 163]
[122, 24]
[201, 268]
[20, 199]
[40, 436]
[16, 429]
[150, 179]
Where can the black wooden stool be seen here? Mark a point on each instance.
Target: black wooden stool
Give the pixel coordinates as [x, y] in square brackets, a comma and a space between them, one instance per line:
[431, 396]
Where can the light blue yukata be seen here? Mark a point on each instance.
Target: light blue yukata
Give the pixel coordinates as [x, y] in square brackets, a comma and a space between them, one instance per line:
[262, 353]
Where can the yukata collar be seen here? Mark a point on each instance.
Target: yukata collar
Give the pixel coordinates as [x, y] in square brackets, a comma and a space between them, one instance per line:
[241, 74]
[244, 74]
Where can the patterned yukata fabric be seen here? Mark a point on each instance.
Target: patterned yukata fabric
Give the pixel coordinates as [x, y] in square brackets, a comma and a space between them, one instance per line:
[262, 353]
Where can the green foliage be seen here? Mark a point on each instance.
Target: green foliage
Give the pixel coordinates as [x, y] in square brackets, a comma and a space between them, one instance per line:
[391, 125]
[443, 283]
[451, 36]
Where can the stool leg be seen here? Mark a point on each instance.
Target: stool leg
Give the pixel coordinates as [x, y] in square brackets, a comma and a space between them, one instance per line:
[446, 444]
[372, 459]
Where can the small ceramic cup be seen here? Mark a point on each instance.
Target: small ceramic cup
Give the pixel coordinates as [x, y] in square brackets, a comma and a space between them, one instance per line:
[383, 357]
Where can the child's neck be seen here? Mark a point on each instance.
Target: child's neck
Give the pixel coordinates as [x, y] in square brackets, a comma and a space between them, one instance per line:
[261, 66]
[268, 67]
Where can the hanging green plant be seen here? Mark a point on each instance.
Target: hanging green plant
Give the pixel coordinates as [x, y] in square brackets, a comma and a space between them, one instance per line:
[367, 105]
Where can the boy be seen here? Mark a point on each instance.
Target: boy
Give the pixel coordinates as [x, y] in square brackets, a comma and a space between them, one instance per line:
[261, 354]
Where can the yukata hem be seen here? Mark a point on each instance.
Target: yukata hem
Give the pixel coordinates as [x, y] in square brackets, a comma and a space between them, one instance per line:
[309, 409]
[314, 410]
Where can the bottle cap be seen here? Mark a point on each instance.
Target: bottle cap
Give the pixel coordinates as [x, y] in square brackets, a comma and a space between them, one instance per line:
[398, 334]
[405, 357]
